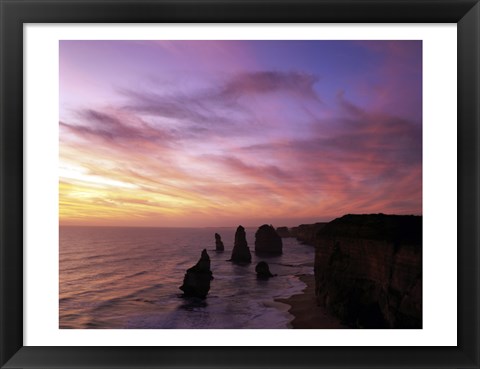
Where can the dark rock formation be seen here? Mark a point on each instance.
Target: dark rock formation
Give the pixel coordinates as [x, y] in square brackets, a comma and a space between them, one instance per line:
[283, 232]
[241, 252]
[368, 270]
[306, 233]
[267, 241]
[218, 243]
[263, 271]
[196, 282]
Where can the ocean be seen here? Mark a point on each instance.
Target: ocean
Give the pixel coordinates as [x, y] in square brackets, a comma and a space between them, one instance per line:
[120, 278]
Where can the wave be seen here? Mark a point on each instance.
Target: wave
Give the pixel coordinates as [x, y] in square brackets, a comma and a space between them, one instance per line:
[132, 281]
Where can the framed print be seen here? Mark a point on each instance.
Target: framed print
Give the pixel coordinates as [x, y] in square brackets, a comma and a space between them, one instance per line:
[228, 184]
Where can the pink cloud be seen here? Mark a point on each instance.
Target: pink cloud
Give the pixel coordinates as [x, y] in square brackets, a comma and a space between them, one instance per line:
[249, 143]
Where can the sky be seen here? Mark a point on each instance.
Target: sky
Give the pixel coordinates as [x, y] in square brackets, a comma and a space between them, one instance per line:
[222, 133]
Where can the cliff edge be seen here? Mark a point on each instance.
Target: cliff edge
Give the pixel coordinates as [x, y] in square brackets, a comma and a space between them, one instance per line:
[368, 270]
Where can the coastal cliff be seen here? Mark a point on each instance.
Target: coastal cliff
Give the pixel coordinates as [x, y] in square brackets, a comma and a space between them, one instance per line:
[368, 270]
[307, 233]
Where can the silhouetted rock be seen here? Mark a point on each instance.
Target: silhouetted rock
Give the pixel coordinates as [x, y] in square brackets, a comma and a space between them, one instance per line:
[241, 252]
[196, 282]
[306, 233]
[267, 241]
[283, 232]
[263, 271]
[368, 270]
[218, 243]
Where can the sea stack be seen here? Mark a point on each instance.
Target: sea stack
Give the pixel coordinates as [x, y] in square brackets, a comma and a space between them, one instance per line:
[263, 271]
[196, 282]
[241, 252]
[267, 241]
[283, 232]
[218, 243]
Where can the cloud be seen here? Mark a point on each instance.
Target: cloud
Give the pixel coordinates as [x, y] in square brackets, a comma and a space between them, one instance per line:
[364, 160]
[192, 109]
[266, 82]
[245, 145]
[219, 106]
[235, 165]
[115, 125]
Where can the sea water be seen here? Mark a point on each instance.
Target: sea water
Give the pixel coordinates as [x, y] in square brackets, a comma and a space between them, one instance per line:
[112, 277]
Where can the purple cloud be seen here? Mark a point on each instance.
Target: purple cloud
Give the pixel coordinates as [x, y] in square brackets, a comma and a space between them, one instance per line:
[265, 82]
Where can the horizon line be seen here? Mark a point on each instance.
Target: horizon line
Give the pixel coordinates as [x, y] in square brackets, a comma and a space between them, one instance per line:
[226, 226]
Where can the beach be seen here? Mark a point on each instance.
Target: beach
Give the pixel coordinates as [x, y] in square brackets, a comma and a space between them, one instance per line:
[307, 314]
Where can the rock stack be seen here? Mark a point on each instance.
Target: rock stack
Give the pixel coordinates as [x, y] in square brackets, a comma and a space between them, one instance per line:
[218, 243]
[267, 241]
[283, 232]
[196, 282]
[263, 271]
[241, 252]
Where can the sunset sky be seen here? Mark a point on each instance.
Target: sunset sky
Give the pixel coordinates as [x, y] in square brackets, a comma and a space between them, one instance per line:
[221, 133]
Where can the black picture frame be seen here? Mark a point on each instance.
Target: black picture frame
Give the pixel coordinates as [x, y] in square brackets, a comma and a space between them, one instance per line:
[15, 13]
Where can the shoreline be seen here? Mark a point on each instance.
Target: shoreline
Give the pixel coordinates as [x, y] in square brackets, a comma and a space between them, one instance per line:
[307, 314]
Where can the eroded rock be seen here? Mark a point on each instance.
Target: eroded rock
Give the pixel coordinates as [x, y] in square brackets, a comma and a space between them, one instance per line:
[368, 270]
[267, 241]
[241, 252]
[263, 271]
[196, 282]
[218, 243]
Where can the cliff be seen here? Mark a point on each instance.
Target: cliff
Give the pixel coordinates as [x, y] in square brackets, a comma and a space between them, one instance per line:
[306, 233]
[368, 270]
